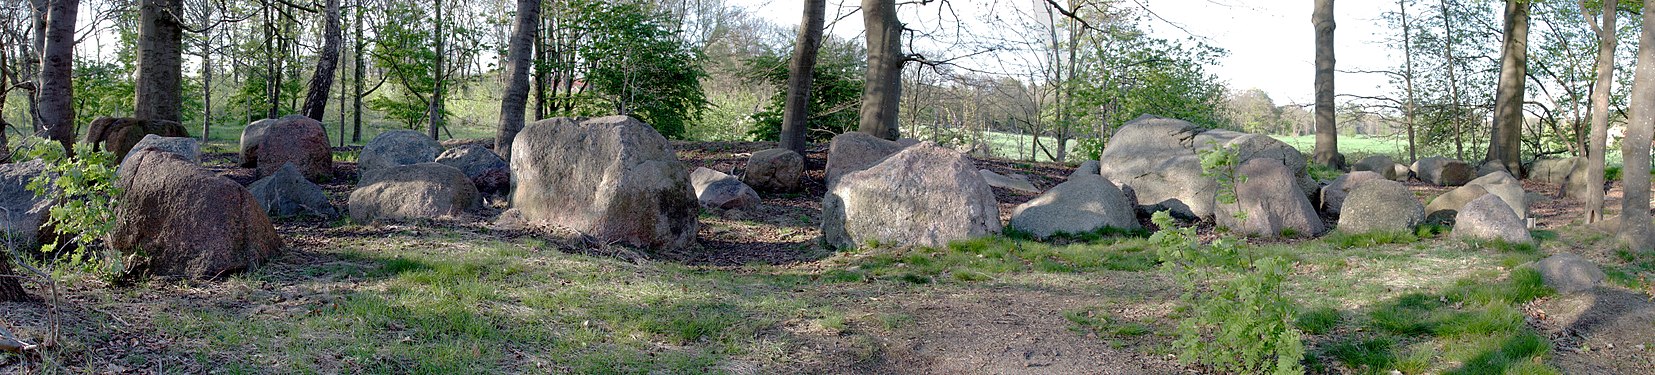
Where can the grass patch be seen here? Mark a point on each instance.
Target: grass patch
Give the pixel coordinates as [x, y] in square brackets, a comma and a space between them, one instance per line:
[1097, 320]
[1317, 321]
[981, 259]
[1345, 240]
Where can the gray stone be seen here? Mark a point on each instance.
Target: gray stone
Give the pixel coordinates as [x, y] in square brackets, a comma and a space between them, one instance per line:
[23, 211]
[1156, 157]
[715, 189]
[855, 151]
[1489, 218]
[1569, 273]
[1013, 182]
[486, 170]
[1271, 202]
[396, 147]
[1380, 206]
[1089, 167]
[613, 178]
[1334, 194]
[1507, 188]
[1255, 146]
[414, 191]
[187, 147]
[251, 136]
[1380, 164]
[1489, 167]
[924, 195]
[288, 193]
[776, 169]
[176, 218]
[1083, 204]
[1444, 208]
[1443, 171]
[300, 141]
[1555, 171]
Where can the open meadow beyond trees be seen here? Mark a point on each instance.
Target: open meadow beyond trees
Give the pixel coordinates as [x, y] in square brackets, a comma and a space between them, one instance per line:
[815, 187]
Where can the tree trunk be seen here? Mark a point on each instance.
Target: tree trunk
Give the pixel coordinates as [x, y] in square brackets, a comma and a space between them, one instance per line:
[356, 98]
[796, 114]
[316, 98]
[1327, 133]
[1505, 140]
[519, 56]
[1453, 84]
[160, 60]
[272, 69]
[540, 71]
[10, 289]
[1635, 226]
[1408, 77]
[435, 109]
[207, 90]
[1600, 110]
[882, 94]
[57, 93]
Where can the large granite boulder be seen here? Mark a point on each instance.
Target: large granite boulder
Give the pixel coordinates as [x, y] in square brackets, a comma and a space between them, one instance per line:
[1380, 164]
[1445, 207]
[296, 140]
[1083, 204]
[1556, 171]
[487, 171]
[1569, 273]
[414, 191]
[1155, 157]
[397, 147]
[119, 135]
[1089, 167]
[1270, 199]
[180, 220]
[1158, 160]
[776, 169]
[924, 195]
[1334, 194]
[1011, 182]
[613, 178]
[23, 212]
[288, 193]
[715, 189]
[187, 147]
[251, 136]
[855, 151]
[1443, 171]
[1490, 218]
[1380, 206]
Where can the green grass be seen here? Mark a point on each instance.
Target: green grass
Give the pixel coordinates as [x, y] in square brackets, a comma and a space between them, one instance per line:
[1318, 321]
[1355, 147]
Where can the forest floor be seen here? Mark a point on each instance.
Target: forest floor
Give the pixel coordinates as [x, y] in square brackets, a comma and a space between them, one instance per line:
[761, 296]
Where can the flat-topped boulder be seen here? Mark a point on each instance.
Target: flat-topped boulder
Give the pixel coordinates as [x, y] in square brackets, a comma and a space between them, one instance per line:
[1334, 194]
[776, 169]
[1156, 158]
[487, 171]
[119, 135]
[415, 191]
[613, 178]
[1443, 171]
[1011, 182]
[1569, 273]
[855, 151]
[178, 219]
[1380, 206]
[397, 147]
[716, 189]
[924, 195]
[1489, 218]
[1085, 203]
[186, 147]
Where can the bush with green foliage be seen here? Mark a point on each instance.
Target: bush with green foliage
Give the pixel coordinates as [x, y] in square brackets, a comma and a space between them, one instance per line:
[84, 189]
[835, 90]
[1237, 318]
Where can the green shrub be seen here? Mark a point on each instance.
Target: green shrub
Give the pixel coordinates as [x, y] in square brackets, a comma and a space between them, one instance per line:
[1239, 323]
[83, 185]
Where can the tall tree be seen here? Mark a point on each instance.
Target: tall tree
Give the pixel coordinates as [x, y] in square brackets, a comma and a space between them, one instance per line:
[57, 91]
[316, 99]
[1505, 140]
[882, 92]
[1327, 133]
[1408, 78]
[356, 97]
[796, 114]
[1600, 108]
[160, 60]
[1452, 83]
[519, 57]
[1635, 222]
[435, 110]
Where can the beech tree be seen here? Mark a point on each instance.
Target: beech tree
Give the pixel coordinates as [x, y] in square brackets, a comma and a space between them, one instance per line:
[1600, 108]
[57, 92]
[1635, 221]
[796, 114]
[1327, 132]
[519, 58]
[1505, 145]
[158, 87]
[316, 99]
[882, 93]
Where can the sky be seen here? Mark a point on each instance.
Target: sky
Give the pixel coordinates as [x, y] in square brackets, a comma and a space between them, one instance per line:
[1270, 42]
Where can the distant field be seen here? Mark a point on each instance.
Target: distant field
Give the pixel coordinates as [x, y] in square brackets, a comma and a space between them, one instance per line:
[1353, 145]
